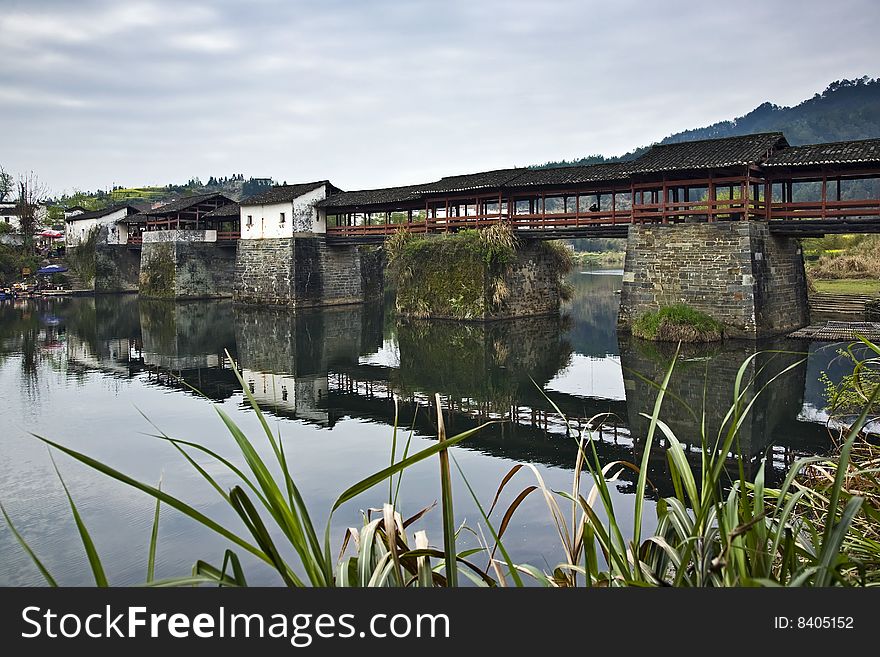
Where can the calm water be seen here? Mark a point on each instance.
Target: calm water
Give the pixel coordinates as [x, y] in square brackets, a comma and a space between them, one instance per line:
[90, 373]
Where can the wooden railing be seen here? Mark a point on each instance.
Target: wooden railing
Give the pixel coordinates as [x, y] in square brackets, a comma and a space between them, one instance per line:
[825, 209]
[228, 235]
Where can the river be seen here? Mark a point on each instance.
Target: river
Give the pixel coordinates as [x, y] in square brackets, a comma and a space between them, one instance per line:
[104, 375]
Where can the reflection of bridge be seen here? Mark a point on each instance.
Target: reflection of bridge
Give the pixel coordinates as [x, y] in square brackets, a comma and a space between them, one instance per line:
[321, 366]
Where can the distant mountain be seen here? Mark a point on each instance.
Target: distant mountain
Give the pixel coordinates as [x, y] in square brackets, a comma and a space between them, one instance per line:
[847, 109]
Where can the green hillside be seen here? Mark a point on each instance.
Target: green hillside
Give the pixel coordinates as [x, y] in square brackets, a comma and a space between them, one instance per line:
[847, 109]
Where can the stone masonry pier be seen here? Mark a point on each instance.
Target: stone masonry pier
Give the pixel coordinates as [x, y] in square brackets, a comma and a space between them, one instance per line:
[305, 272]
[736, 272]
[185, 264]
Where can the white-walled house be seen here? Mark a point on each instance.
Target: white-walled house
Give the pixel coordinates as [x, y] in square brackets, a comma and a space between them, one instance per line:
[80, 225]
[73, 211]
[284, 211]
[9, 215]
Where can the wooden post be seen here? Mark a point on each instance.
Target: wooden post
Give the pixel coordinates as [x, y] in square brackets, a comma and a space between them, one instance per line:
[710, 200]
[613, 206]
[824, 193]
[664, 205]
[746, 184]
[768, 199]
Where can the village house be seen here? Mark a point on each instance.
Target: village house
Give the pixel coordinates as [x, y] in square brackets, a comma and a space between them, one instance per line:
[285, 210]
[81, 224]
[9, 215]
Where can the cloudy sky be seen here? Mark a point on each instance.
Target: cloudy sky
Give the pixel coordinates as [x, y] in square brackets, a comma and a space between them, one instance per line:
[374, 93]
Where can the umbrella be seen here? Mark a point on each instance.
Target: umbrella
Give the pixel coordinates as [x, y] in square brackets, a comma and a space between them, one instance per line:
[54, 234]
[52, 269]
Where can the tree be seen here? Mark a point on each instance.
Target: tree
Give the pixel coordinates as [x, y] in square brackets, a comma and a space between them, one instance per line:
[31, 193]
[7, 185]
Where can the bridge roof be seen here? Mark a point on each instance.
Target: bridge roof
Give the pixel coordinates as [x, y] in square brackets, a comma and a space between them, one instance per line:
[228, 210]
[185, 203]
[574, 175]
[863, 151]
[709, 153]
[473, 181]
[284, 193]
[369, 197]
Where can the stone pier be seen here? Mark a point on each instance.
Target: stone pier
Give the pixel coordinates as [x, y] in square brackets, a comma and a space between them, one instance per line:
[736, 272]
[306, 271]
[455, 277]
[186, 264]
[117, 268]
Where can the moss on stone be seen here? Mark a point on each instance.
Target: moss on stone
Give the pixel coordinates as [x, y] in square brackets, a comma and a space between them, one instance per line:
[458, 275]
[158, 272]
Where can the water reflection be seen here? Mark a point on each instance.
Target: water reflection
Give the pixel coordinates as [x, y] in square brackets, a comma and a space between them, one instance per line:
[338, 370]
[322, 365]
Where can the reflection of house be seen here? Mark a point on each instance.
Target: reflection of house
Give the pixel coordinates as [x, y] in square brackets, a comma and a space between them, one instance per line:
[284, 210]
[303, 397]
[79, 225]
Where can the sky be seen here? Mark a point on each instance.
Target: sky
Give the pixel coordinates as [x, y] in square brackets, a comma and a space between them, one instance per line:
[375, 93]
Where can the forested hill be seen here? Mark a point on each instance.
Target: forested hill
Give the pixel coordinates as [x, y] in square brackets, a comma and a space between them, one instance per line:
[847, 109]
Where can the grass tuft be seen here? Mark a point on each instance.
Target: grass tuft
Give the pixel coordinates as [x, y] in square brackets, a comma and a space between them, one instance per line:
[677, 323]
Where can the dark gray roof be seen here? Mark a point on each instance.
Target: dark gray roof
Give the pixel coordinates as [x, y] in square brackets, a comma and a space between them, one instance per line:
[97, 214]
[228, 210]
[284, 193]
[366, 197]
[186, 202]
[842, 152]
[709, 153]
[472, 181]
[574, 175]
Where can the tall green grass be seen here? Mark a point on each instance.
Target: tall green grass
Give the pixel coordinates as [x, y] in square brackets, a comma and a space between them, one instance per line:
[713, 531]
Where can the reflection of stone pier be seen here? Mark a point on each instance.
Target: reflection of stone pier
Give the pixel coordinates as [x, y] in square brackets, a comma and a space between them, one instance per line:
[186, 335]
[285, 356]
[701, 392]
[491, 362]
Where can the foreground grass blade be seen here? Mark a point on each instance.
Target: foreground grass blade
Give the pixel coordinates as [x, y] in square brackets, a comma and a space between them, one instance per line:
[446, 500]
[154, 538]
[88, 544]
[171, 501]
[510, 564]
[27, 548]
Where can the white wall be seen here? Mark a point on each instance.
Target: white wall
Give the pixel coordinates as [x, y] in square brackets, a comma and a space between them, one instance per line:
[300, 216]
[78, 230]
[6, 216]
[11, 219]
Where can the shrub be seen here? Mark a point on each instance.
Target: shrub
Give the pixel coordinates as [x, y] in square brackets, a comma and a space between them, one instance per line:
[676, 323]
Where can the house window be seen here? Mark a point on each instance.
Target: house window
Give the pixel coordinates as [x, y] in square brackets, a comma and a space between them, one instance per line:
[282, 217]
[250, 221]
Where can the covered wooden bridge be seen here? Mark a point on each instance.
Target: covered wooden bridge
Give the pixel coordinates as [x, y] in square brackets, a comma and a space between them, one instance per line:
[199, 212]
[802, 190]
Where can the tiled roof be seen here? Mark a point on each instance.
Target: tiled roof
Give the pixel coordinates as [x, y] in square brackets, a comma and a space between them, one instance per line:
[186, 202]
[841, 152]
[366, 197]
[606, 171]
[709, 153]
[284, 193]
[472, 181]
[97, 214]
[228, 210]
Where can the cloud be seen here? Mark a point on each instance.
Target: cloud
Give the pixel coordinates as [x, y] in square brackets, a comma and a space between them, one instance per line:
[379, 92]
